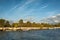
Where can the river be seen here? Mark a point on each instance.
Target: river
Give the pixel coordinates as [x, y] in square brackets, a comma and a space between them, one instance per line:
[53, 34]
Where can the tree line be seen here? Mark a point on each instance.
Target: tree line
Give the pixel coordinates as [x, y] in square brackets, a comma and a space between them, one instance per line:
[6, 23]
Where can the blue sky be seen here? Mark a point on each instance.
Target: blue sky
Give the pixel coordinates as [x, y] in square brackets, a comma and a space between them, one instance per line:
[33, 10]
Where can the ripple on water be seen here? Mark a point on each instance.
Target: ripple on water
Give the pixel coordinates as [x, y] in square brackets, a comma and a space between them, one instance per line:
[31, 35]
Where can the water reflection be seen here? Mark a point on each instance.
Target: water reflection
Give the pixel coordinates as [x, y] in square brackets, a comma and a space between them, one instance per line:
[31, 35]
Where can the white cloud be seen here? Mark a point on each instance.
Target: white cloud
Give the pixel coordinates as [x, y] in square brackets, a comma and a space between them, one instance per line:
[56, 21]
[58, 14]
[26, 3]
[44, 6]
[13, 8]
[21, 7]
[53, 17]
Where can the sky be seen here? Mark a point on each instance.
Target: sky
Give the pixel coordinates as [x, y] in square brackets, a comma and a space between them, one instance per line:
[31, 10]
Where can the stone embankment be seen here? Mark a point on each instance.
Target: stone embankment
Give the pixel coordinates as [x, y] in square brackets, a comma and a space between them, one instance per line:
[25, 28]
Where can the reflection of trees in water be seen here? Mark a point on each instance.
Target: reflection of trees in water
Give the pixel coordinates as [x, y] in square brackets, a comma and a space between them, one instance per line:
[3, 35]
[29, 35]
[13, 35]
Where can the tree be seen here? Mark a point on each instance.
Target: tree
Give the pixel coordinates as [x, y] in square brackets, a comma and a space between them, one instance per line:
[2, 22]
[15, 25]
[28, 24]
[7, 24]
[33, 24]
[20, 22]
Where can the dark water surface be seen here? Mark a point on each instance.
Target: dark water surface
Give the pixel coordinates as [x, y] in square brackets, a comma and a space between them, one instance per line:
[31, 35]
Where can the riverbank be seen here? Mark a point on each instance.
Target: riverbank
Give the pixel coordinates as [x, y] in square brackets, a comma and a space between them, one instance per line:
[25, 28]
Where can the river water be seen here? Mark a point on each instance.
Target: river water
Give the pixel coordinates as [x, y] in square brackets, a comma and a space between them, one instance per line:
[31, 35]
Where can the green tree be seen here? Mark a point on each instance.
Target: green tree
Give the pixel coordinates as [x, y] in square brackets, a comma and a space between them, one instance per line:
[33, 24]
[7, 24]
[2, 22]
[21, 23]
[28, 24]
[15, 25]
